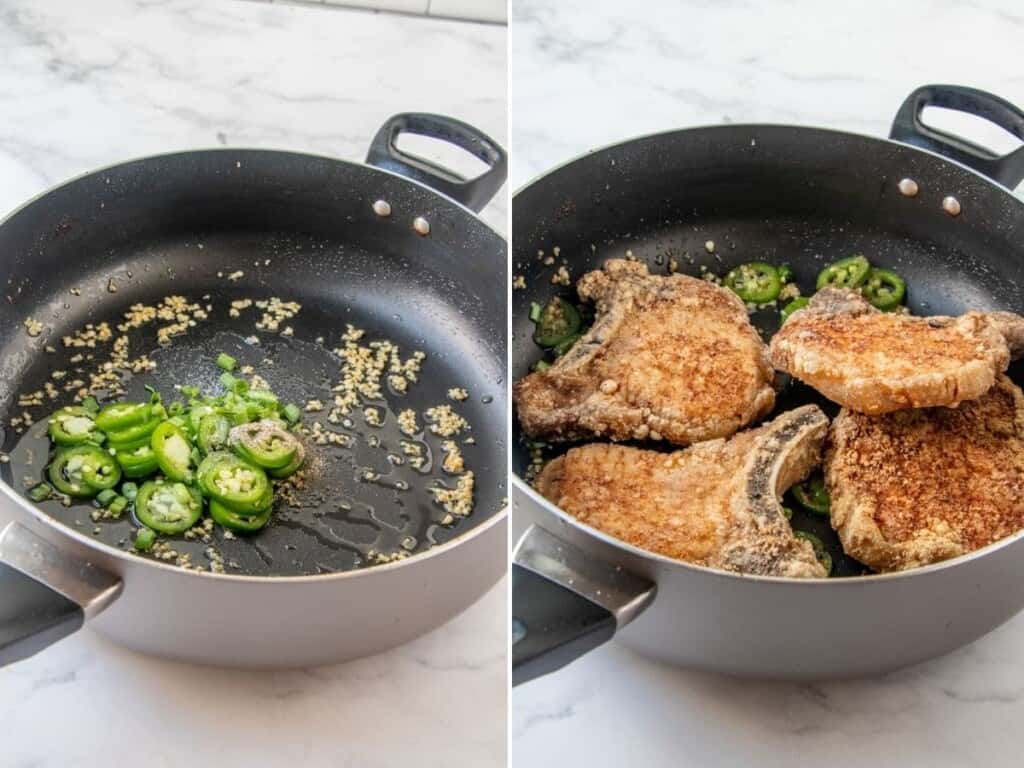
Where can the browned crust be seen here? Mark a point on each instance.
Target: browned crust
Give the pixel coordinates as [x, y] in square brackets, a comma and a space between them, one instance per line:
[714, 504]
[873, 362]
[920, 486]
[668, 357]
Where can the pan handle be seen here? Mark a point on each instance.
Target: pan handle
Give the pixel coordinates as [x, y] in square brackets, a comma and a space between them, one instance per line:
[565, 603]
[908, 128]
[45, 594]
[472, 193]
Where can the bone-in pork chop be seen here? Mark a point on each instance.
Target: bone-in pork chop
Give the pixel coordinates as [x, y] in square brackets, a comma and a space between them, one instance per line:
[875, 362]
[668, 357]
[918, 486]
[714, 504]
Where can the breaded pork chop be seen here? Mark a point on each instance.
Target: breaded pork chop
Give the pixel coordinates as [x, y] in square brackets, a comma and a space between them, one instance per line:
[875, 362]
[668, 357]
[918, 486]
[715, 503]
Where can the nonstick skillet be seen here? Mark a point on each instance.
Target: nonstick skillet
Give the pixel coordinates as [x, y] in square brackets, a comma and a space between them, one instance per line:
[392, 248]
[806, 197]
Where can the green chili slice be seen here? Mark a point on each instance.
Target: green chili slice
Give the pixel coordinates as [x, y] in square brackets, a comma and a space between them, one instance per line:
[120, 416]
[785, 274]
[291, 467]
[103, 498]
[173, 451]
[234, 482]
[236, 522]
[850, 272]
[226, 362]
[884, 289]
[565, 345]
[144, 540]
[558, 321]
[40, 492]
[168, 507]
[73, 425]
[83, 471]
[133, 436]
[139, 462]
[212, 434]
[292, 413]
[755, 282]
[264, 444]
[798, 303]
[812, 495]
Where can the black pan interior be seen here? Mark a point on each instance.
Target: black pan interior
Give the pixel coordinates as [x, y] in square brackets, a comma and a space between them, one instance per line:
[303, 229]
[781, 194]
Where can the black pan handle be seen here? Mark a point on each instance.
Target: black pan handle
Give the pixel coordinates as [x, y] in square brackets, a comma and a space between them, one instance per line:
[45, 594]
[472, 193]
[566, 603]
[907, 127]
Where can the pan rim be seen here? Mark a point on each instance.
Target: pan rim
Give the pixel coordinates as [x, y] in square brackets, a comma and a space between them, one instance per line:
[496, 518]
[521, 486]
[618, 144]
[246, 150]
[118, 554]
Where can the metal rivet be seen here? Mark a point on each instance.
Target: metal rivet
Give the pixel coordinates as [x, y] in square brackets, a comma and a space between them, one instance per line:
[421, 225]
[908, 187]
[951, 205]
[382, 208]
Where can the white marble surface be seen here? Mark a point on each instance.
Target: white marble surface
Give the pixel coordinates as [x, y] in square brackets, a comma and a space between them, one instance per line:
[88, 84]
[587, 73]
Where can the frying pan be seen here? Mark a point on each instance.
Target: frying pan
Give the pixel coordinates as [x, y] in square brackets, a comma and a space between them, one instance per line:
[222, 225]
[803, 196]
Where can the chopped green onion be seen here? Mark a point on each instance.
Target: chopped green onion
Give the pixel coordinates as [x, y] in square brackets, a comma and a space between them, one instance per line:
[226, 362]
[145, 539]
[118, 506]
[130, 491]
[291, 413]
[535, 310]
[190, 391]
[228, 381]
[40, 492]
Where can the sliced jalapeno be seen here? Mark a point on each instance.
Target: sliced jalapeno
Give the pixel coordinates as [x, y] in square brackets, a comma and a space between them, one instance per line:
[850, 272]
[234, 482]
[812, 495]
[168, 507]
[291, 467]
[138, 462]
[173, 451]
[884, 289]
[120, 416]
[83, 471]
[212, 434]
[558, 321]
[73, 425]
[785, 274]
[756, 282]
[264, 443]
[798, 303]
[236, 522]
[137, 433]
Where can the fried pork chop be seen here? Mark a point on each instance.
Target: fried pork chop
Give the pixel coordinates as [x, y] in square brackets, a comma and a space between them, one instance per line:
[668, 357]
[918, 486]
[875, 362]
[715, 503]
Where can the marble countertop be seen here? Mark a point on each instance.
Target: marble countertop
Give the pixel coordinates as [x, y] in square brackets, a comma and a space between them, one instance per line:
[88, 84]
[587, 73]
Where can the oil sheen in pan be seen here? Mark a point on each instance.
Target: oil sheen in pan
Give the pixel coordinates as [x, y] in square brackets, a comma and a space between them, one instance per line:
[354, 501]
